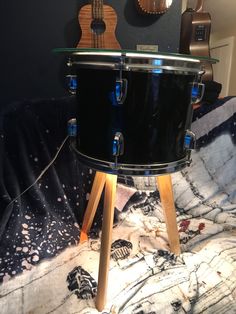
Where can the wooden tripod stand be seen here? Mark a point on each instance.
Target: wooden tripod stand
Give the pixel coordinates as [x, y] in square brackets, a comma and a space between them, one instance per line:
[164, 185]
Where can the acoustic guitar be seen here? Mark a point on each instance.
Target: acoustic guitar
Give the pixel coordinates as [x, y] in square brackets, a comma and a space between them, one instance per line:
[195, 35]
[153, 6]
[98, 25]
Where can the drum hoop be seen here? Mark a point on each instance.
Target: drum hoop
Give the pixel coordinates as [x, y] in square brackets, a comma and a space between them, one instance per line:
[137, 62]
[136, 55]
[138, 67]
[132, 169]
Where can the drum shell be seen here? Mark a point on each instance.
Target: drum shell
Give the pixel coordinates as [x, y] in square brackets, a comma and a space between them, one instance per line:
[153, 118]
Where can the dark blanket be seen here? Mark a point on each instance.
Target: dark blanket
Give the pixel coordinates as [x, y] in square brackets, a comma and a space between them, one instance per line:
[43, 220]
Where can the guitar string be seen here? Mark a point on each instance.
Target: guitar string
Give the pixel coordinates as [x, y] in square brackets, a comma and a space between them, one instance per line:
[98, 14]
[94, 18]
[101, 17]
[98, 39]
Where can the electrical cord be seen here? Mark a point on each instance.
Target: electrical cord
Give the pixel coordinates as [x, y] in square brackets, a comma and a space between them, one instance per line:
[42, 172]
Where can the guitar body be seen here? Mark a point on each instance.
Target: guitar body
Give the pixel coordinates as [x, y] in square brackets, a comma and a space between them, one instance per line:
[195, 36]
[98, 34]
[153, 6]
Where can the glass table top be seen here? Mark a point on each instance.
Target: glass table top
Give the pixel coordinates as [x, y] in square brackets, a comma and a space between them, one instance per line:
[132, 53]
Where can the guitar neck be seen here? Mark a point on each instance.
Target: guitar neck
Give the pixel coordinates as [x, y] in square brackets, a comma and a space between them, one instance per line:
[97, 10]
[199, 6]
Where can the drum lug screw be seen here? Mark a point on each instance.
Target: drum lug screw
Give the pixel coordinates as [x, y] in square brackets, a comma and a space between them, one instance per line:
[189, 160]
[189, 144]
[71, 78]
[69, 62]
[121, 90]
[72, 127]
[190, 140]
[71, 81]
[197, 92]
[118, 146]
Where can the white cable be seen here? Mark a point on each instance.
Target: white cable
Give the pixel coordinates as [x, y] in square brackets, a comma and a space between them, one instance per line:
[42, 173]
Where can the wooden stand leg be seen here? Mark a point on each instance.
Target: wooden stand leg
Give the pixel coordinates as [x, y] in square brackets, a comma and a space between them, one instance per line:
[107, 224]
[167, 200]
[97, 188]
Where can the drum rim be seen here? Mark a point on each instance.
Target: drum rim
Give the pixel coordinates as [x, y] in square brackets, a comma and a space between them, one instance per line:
[156, 63]
[152, 169]
[138, 67]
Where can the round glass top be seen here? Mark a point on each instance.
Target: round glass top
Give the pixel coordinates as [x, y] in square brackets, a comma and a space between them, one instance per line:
[134, 54]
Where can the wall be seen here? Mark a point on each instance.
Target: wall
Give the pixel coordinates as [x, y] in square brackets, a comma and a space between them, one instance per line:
[222, 35]
[30, 29]
[223, 26]
[184, 5]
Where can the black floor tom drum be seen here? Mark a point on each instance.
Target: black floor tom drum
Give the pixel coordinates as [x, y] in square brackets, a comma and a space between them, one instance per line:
[135, 109]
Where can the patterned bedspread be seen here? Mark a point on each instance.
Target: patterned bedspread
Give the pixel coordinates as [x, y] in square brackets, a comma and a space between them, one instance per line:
[42, 268]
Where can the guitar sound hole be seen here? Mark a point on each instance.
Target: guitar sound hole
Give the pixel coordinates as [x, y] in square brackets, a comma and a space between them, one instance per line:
[98, 27]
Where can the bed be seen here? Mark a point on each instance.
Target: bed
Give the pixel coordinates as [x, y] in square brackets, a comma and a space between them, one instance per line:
[44, 270]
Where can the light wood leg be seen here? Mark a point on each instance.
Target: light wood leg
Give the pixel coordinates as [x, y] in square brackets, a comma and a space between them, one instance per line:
[164, 184]
[97, 188]
[107, 224]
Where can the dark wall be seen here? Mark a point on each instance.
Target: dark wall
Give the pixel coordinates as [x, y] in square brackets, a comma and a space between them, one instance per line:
[30, 29]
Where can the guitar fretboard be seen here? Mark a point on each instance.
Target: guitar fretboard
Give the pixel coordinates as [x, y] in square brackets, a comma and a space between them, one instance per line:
[97, 9]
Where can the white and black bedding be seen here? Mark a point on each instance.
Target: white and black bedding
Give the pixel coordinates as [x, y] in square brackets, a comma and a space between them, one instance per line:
[43, 270]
